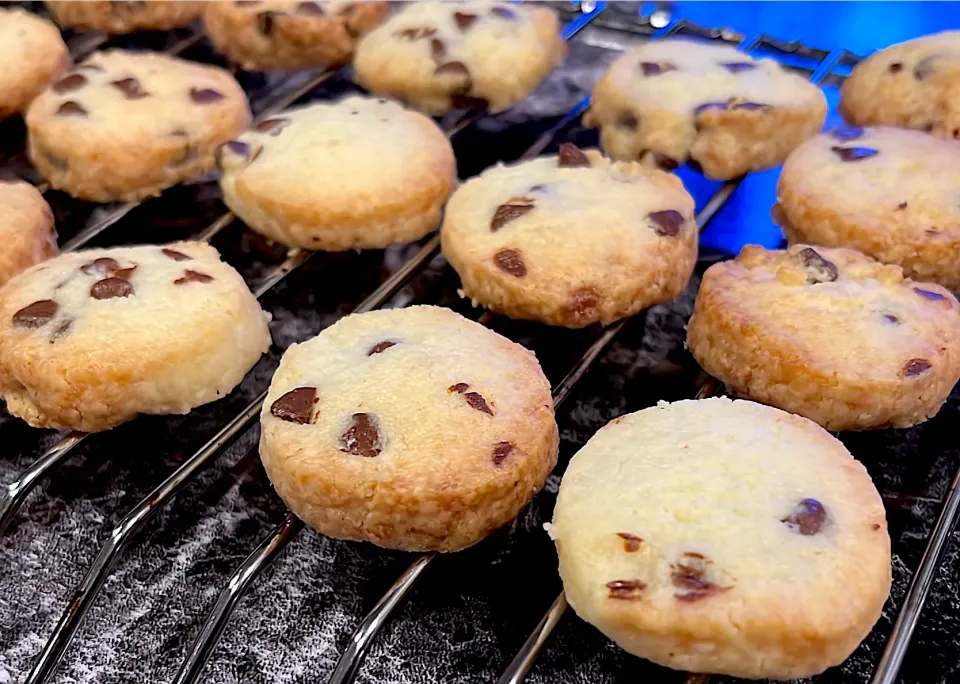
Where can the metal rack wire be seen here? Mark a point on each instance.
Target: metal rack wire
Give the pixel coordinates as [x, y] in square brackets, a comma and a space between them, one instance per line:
[271, 546]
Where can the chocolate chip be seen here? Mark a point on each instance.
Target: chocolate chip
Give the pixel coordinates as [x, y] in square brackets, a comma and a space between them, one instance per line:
[69, 83]
[807, 517]
[512, 209]
[272, 126]
[265, 22]
[459, 388]
[846, 133]
[36, 315]
[501, 450]
[130, 87]
[631, 542]
[175, 255]
[925, 67]
[296, 406]
[205, 95]
[895, 67]
[478, 402]
[192, 277]
[737, 67]
[504, 12]
[238, 147]
[509, 260]
[61, 329]
[71, 108]
[709, 105]
[927, 294]
[853, 154]
[585, 302]
[416, 32]
[103, 266]
[572, 156]
[628, 121]
[818, 269]
[311, 9]
[750, 106]
[690, 574]
[655, 68]
[437, 48]
[626, 590]
[539, 187]
[916, 367]
[111, 288]
[380, 346]
[891, 319]
[362, 438]
[902, 206]
[665, 163]
[246, 3]
[464, 20]
[666, 223]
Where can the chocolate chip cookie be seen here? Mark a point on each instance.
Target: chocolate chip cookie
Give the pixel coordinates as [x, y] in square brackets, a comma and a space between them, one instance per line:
[90, 339]
[440, 55]
[26, 228]
[284, 35]
[721, 536]
[828, 334]
[124, 125]
[889, 192]
[32, 53]
[668, 102]
[571, 239]
[414, 429]
[124, 17]
[915, 84]
[357, 173]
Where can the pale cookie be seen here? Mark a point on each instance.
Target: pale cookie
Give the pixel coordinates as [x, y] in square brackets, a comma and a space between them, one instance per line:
[671, 101]
[124, 17]
[913, 85]
[125, 125]
[891, 193]
[284, 35]
[32, 53]
[26, 228]
[439, 55]
[571, 239]
[721, 536]
[90, 339]
[357, 173]
[414, 429]
[828, 334]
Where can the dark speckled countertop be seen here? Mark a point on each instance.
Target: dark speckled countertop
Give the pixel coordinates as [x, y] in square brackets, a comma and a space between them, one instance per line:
[472, 611]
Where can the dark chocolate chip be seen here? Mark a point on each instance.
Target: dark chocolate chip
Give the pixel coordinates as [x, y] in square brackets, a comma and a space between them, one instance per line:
[895, 67]
[665, 163]
[478, 402]
[846, 133]
[416, 32]
[501, 450]
[628, 121]
[853, 154]
[296, 406]
[916, 367]
[891, 319]
[666, 223]
[626, 590]
[205, 95]
[61, 329]
[655, 68]
[509, 260]
[437, 48]
[265, 22]
[539, 187]
[750, 106]
[310, 9]
[192, 277]
[380, 346]
[902, 206]
[103, 266]
[709, 105]
[818, 269]
[572, 156]
[631, 542]
[512, 209]
[69, 83]
[504, 12]
[363, 437]
[238, 147]
[272, 126]
[927, 294]
[689, 574]
[807, 518]
[130, 87]
[36, 315]
[925, 67]
[459, 388]
[464, 20]
[585, 302]
[737, 67]
[71, 108]
[111, 288]
[125, 273]
[246, 3]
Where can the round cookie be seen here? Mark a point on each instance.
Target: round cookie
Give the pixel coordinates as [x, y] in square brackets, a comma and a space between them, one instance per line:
[671, 101]
[125, 125]
[414, 429]
[32, 53]
[357, 173]
[124, 17]
[571, 239]
[891, 193]
[26, 228]
[828, 334]
[285, 35]
[90, 339]
[439, 55]
[721, 536]
[915, 84]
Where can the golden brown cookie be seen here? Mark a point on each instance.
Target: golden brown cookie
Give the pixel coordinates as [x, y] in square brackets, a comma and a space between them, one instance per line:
[124, 17]
[26, 228]
[32, 53]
